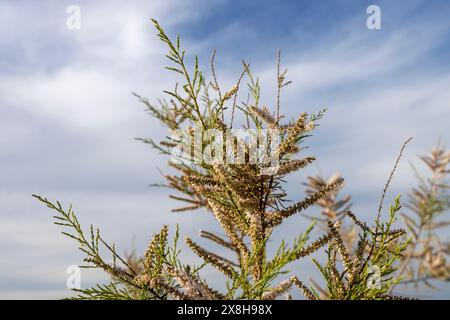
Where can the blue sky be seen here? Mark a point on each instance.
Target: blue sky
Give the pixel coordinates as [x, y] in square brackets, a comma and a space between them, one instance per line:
[67, 118]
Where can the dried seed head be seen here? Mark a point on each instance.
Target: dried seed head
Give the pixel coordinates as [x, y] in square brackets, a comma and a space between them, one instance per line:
[230, 93]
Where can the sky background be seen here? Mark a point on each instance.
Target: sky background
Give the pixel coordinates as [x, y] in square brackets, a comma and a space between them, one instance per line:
[68, 119]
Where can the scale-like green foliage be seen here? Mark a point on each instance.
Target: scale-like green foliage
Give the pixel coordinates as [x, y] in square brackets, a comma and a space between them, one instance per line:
[247, 204]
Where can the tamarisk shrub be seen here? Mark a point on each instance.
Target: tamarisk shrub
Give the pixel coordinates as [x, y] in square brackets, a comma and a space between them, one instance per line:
[246, 201]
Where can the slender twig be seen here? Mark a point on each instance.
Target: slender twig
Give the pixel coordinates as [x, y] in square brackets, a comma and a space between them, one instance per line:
[246, 66]
[386, 186]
